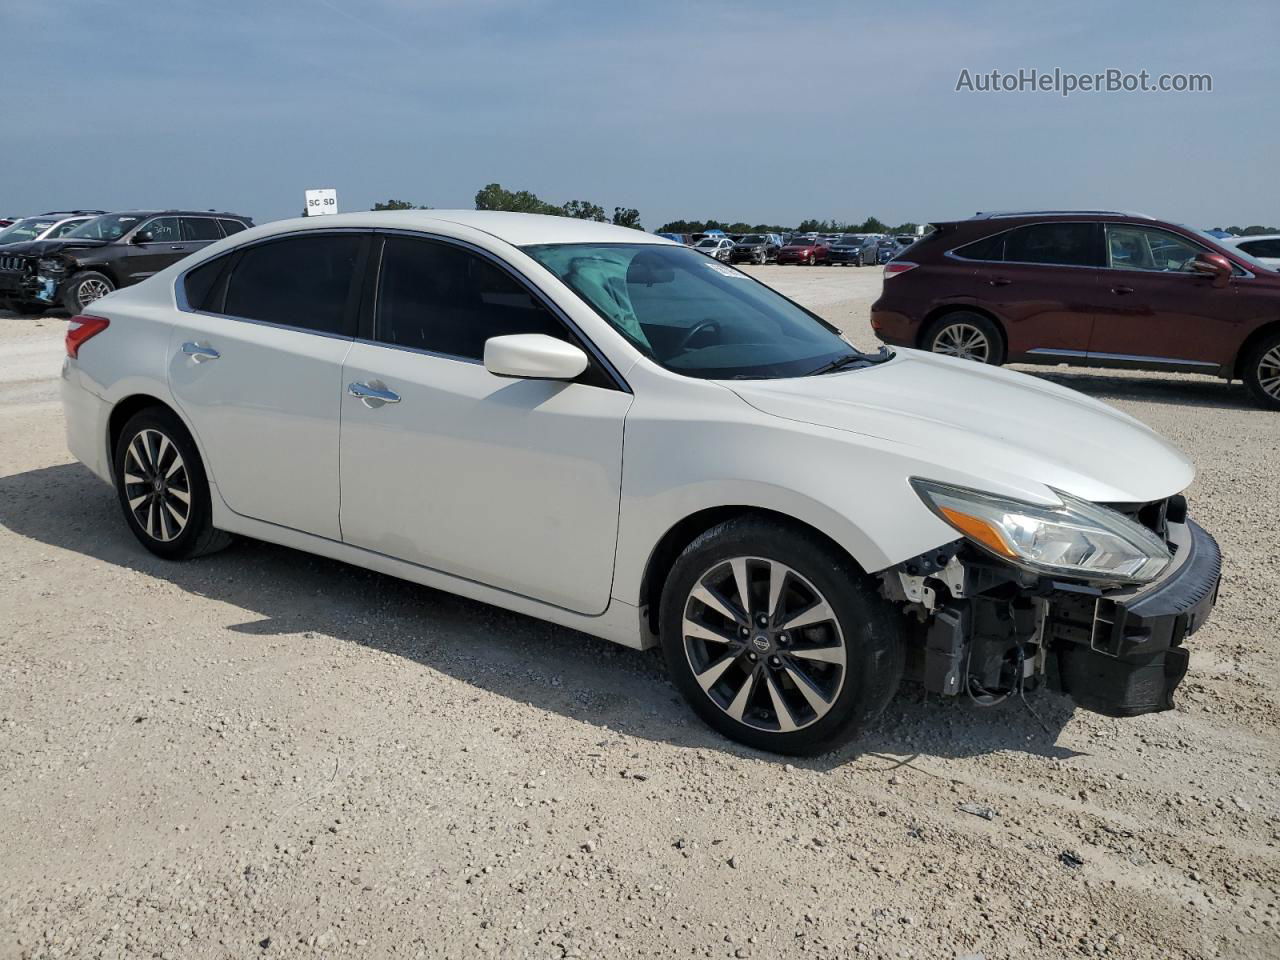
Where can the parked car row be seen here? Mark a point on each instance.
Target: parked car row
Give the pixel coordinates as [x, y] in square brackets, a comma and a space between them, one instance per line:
[845, 249]
[71, 258]
[1092, 288]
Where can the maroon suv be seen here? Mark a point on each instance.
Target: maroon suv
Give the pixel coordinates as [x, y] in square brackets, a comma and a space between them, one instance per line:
[1093, 288]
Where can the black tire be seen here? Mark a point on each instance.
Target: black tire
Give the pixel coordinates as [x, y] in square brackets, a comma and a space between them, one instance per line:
[72, 300]
[1261, 367]
[937, 334]
[867, 632]
[197, 534]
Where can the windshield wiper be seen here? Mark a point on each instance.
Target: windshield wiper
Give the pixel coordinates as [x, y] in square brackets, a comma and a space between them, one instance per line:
[841, 363]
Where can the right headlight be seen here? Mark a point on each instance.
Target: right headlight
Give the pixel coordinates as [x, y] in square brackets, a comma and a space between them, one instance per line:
[1076, 539]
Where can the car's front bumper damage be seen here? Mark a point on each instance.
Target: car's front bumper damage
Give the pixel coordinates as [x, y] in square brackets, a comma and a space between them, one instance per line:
[22, 280]
[989, 630]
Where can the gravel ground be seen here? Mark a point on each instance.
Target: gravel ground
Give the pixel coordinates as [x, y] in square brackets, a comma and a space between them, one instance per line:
[264, 753]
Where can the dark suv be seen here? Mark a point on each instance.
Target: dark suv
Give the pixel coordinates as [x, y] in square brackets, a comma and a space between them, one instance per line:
[107, 252]
[754, 248]
[1093, 288]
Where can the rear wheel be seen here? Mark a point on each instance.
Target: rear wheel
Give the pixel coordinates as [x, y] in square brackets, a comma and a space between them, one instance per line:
[84, 288]
[163, 489]
[776, 639]
[967, 335]
[1262, 372]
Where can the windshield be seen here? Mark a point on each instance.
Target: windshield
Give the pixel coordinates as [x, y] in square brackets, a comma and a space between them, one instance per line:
[709, 242]
[27, 229]
[113, 226]
[693, 315]
[752, 239]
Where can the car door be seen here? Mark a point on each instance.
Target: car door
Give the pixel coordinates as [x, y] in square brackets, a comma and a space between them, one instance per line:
[151, 248]
[1042, 281]
[256, 366]
[511, 483]
[1157, 310]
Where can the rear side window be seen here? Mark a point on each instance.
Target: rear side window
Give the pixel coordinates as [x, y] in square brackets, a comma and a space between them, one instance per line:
[443, 299]
[1062, 244]
[304, 282]
[206, 287]
[200, 228]
[1065, 244]
[231, 226]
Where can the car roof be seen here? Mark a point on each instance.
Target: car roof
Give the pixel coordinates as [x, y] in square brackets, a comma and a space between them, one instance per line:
[1014, 214]
[1234, 241]
[176, 213]
[518, 229]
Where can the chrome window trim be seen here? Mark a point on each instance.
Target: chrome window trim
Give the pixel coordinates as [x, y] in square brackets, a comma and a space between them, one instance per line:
[184, 306]
[1133, 357]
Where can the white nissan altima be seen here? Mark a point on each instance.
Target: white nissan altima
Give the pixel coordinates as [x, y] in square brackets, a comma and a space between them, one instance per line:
[607, 430]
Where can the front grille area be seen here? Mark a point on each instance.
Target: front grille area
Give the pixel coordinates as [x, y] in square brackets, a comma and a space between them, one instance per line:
[13, 264]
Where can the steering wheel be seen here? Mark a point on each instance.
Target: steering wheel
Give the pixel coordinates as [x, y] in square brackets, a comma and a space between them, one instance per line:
[698, 328]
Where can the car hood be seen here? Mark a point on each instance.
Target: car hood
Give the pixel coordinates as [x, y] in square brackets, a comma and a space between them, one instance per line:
[979, 423]
[43, 248]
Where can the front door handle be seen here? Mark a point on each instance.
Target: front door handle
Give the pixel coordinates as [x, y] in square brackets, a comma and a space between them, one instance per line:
[199, 352]
[373, 394]
[999, 281]
[178, 246]
[1121, 290]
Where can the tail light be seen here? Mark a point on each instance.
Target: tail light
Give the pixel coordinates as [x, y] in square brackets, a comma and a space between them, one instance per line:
[895, 267]
[80, 329]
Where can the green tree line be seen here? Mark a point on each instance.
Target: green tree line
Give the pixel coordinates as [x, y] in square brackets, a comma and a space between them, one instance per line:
[495, 196]
[869, 225]
[1253, 231]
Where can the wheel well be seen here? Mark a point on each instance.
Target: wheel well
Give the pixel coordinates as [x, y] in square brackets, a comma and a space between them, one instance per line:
[673, 542]
[939, 312]
[103, 269]
[120, 415]
[1267, 329]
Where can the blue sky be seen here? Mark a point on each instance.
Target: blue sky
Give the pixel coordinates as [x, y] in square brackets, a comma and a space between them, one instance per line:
[760, 111]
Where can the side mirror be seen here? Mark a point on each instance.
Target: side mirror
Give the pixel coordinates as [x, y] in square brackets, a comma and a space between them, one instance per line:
[143, 236]
[533, 356]
[1213, 265]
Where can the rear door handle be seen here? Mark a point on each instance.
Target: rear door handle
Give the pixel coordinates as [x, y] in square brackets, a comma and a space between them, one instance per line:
[999, 281]
[373, 394]
[178, 246]
[199, 352]
[1122, 290]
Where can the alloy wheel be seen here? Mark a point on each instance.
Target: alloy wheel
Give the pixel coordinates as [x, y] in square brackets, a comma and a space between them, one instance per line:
[156, 485]
[91, 290]
[1269, 372]
[764, 644]
[963, 340]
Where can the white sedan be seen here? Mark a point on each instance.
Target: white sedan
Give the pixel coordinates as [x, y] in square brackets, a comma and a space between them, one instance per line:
[1264, 248]
[610, 431]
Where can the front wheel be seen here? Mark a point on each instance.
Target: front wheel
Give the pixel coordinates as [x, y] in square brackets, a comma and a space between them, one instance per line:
[777, 639]
[1262, 372]
[84, 288]
[163, 489]
[811, 260]
[967, 335]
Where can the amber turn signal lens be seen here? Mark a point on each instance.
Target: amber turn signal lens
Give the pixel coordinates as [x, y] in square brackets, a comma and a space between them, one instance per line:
[979, 530]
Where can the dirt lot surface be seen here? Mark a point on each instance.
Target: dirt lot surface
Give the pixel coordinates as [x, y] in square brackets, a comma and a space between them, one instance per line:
[263, 753]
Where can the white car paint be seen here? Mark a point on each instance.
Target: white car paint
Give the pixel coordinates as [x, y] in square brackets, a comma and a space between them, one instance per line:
[1269, 242]
[550, 498]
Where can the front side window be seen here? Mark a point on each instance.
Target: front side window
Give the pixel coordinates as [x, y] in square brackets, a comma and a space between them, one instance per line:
[200, 229]
[304, 281]
[443, 299]
[21, 230]
[691, 314]
[111, 226]
[161, 230]
[1149, 248]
